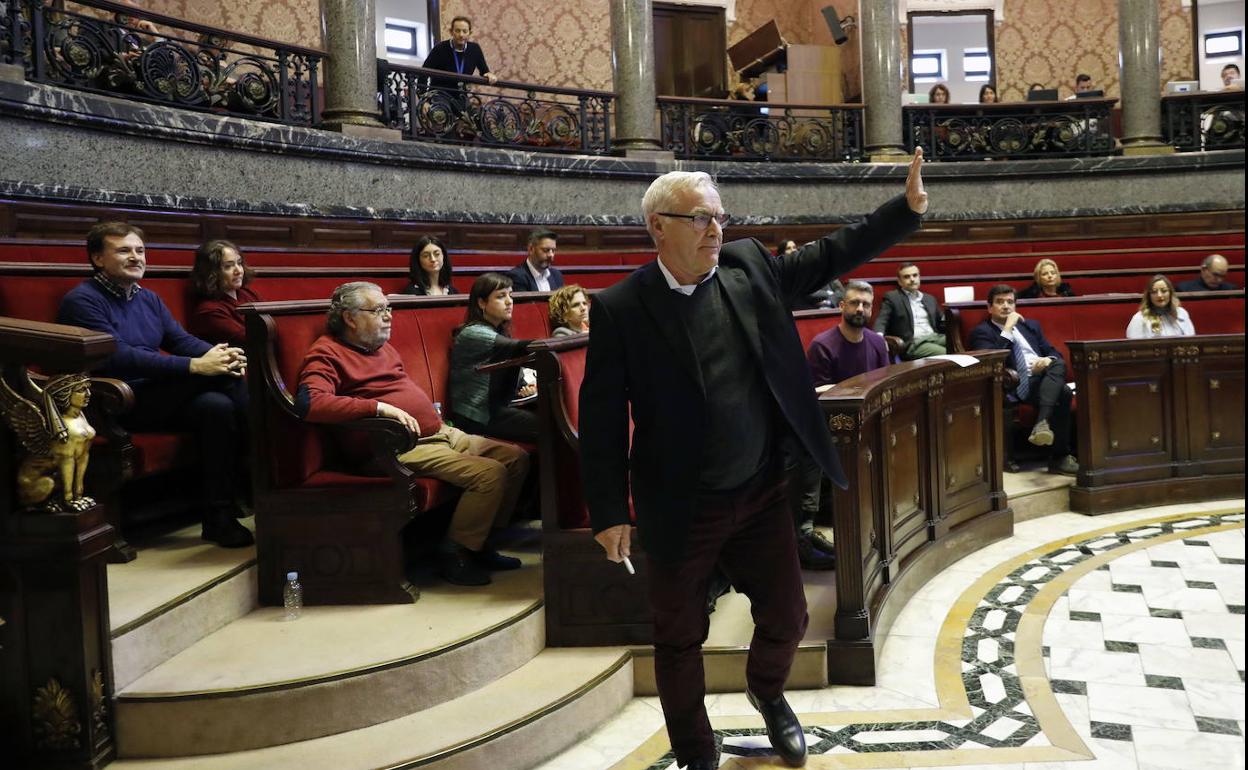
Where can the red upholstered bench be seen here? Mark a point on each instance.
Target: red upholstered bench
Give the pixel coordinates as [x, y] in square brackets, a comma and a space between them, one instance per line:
[340, 529]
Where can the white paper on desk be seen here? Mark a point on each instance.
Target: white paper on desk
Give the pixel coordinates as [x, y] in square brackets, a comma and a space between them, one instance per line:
[960, 359]
[824, 388]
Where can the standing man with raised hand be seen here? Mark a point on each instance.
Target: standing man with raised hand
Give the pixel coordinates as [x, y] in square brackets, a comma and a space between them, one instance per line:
[700, 346]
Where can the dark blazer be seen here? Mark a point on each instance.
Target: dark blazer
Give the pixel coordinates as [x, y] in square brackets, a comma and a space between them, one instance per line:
[523, 280]
[986, 336]
[1035, 292]
[896, 320]
[1196, 284]
[442, 57]
[642, 358]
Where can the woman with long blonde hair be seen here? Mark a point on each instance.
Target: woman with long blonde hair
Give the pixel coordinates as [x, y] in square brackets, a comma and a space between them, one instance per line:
[1160, 313]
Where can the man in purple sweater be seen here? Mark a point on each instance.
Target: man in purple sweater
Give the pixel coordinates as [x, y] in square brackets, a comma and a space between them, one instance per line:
[846, 350]
[180, 382]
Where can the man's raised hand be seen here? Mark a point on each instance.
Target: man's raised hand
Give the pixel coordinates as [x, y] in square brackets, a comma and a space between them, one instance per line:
[916, 196]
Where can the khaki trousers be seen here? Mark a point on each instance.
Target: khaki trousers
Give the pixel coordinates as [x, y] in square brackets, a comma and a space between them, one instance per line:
[490, 472]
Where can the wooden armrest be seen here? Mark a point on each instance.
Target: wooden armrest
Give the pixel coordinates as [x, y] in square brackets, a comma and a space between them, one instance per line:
[112, 396]
[895, 344]
[388, 439]
[509, 363]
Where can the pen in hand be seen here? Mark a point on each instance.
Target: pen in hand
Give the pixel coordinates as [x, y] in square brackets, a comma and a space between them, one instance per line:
[628, 565]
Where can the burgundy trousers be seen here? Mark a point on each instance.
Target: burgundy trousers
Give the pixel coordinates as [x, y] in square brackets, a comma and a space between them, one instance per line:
[749, 533]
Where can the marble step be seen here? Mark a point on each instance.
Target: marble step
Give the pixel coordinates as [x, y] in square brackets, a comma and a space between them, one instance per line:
[260, 681]
[516, 721]
[179, 590]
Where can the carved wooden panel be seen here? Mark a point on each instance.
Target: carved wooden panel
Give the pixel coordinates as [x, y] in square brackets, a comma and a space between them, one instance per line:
[1216, 409]
[905, 452]
[965, 462]
[1135, 417]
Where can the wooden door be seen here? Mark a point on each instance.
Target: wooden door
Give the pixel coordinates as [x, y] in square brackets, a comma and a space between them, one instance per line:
[690, 51]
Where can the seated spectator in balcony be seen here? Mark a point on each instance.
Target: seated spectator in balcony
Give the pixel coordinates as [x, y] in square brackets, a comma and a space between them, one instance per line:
[180, 382]
[938, 94]
[1083, 84]
[1040, 370]
[352, 372]
[1047, 282]
[1230, 73]
[537, 272]
[1213, 272]
[569, 311]
[846, 350]
[459, 55]
[1160, 313]
[220, 279]
[910, 320]
[429, 269]
[1036, 87]
[987, 94]
[481, 402]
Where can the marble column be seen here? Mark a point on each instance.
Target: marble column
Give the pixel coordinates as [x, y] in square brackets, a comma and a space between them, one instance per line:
[632, 63]
[351, 67]
[881, 80]
[1139, 39]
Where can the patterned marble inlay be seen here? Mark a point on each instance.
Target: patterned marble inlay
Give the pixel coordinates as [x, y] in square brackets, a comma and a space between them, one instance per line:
[1001, 716]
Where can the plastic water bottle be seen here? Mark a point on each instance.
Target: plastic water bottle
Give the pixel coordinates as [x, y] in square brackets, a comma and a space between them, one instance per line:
[437, 407]
[292, 596]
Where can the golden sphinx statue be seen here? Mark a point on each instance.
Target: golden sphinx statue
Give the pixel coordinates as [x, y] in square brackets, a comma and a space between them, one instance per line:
[57, 439]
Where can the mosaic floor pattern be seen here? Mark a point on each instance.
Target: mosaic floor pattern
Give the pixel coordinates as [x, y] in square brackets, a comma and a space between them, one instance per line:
[1118, 648]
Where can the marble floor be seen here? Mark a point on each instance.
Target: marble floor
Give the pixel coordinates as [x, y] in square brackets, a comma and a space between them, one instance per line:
[1092, 643]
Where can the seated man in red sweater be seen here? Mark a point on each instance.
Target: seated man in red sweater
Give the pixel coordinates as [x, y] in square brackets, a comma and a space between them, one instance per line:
[352, 373]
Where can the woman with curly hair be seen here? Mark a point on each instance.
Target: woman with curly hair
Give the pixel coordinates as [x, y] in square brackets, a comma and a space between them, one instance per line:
[1160, 314]
[569, 311]
[220, 279]
[939, 94]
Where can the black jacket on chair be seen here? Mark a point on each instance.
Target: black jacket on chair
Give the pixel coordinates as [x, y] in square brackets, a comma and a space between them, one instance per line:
[641, 358]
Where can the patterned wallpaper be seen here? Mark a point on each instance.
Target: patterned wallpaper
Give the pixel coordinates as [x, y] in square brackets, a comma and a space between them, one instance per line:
[555, 42]
[1051, 41]
[568, 42]
[286, 21]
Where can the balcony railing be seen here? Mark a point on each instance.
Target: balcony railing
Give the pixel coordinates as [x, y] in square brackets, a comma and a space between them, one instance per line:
[1076, 128]
[1203, 121]
[436, 106]
[715, 129]
[110, 48]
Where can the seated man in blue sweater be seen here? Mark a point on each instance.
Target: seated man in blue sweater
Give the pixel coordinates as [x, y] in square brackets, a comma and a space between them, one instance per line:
[180, 382]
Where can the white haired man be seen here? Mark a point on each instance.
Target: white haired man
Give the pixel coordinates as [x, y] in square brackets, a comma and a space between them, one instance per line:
[700, 347]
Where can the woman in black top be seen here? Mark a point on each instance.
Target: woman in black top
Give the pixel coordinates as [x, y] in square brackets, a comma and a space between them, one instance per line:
[429, 270]
[1047, 283]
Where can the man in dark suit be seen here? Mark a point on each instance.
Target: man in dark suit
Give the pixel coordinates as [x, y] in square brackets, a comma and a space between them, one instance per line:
[1212, 276]
[701, 348]
[910, 320]
[537, 272]
[1040, 370]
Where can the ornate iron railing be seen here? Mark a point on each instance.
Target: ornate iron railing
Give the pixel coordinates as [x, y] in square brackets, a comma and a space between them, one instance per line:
[736, 130]
[119, 50]
[437, 106]
[1203, 121]
[1075, 128]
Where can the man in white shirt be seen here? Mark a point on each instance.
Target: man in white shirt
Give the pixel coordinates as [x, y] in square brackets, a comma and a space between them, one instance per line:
[910, 320]
[537, 272]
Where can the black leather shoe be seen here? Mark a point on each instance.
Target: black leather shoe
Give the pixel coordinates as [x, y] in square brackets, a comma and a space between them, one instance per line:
[222, 528]
[488, 558]
[456, 566]
[783, 729]
[821, 541]
[703, 764]
[811, 557]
